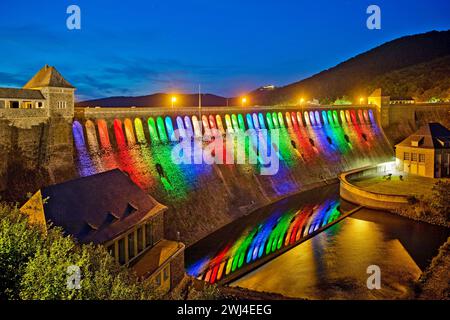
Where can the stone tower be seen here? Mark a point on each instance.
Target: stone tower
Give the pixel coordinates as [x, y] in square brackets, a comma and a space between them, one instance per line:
[58, 92]
[56, 153]
[382, 106]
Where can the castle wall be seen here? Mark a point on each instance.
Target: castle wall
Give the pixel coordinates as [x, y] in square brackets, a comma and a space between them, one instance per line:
[34, 151]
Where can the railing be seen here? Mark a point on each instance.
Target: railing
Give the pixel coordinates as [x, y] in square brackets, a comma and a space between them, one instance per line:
[107, 112]
[371, 199]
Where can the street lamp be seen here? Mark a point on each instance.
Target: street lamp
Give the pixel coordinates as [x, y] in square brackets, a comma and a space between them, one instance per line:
[361, 100]
[244, 101]
[173, 99]
[302, 100]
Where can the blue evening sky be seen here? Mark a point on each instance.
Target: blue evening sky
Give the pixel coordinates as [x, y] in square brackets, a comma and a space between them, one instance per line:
[229, 47]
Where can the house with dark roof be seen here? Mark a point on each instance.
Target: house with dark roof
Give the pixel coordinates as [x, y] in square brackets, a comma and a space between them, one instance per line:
[426, 152]
[110, 210]
[47, 91]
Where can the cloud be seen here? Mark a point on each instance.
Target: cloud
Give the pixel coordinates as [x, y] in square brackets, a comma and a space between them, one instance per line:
[13, 80]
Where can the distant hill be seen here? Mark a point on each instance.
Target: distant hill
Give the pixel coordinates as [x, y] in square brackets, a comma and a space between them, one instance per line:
[422, 81]
[415, 66]
[156, 100]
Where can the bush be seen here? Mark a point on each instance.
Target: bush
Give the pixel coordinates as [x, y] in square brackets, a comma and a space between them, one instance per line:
[34, 265]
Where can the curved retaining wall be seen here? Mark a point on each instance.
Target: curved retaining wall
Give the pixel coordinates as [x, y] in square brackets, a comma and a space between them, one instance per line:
[374, 200]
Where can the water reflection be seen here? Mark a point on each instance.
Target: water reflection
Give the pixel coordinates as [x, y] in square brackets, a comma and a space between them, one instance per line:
[267, 232]
[333, 264]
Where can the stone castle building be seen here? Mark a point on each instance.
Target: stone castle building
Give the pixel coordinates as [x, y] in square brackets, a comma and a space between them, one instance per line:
[36, 131]
[47, 91]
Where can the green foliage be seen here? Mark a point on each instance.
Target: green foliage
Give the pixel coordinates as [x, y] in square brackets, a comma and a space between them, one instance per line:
[35, 266]
[440, 199]
[429, 81]
[342, 101]
[18, 244]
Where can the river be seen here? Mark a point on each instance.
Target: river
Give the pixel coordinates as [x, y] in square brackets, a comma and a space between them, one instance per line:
[333, 264]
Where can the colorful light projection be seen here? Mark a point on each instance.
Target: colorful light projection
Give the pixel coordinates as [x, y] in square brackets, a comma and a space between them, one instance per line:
[300, 139]
[103, 134]
[139, 128]
[278, 231]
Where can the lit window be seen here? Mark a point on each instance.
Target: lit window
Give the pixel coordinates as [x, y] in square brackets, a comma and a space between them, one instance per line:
[166, 273]
[111, 250]
[413, 156]
[421, 157]
[158, 279]
[406, 156]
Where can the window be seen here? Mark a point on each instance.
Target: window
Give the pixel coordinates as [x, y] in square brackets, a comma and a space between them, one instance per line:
[14, 104]
[62, 104]
[158, 279]
[122, 251]
[421, 157]
[140, 239]
[406, 156]
[111, 250]
[148, 235]
[166, 272]
[413, 156]
[131, 252]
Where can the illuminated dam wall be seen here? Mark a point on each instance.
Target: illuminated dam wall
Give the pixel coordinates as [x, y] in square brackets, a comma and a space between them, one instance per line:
[315, 145]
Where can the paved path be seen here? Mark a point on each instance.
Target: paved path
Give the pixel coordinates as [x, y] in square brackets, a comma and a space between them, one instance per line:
[410, 185]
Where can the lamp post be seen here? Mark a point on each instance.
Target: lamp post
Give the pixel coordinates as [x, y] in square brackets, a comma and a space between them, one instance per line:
[173, 100]
[243, 101]
[301, 104]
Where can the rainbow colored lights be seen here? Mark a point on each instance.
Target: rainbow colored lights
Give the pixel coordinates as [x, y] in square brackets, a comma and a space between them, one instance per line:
[305, 137]
[278, 231]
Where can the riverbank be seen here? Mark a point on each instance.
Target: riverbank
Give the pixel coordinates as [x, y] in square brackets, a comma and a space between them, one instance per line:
[434, 283]
[199, 224]
[193, 289]
[381, 187]
[432, 207]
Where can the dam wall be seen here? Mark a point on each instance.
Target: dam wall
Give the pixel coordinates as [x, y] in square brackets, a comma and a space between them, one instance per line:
[401, 120]
[315, 145]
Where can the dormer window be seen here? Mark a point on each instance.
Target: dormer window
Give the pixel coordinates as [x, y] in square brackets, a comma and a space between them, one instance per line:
[129, 209]
[416, 141]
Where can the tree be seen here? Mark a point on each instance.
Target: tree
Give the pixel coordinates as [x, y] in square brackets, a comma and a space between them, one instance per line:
[18, 243]
[34, 265]
[440, 199]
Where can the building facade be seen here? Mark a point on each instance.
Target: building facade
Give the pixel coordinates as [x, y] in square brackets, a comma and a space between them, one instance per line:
[47, 91]
[426, 152]
[110, 210]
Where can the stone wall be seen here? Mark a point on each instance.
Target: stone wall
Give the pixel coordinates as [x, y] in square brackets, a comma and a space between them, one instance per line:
[177, 272]
[402, 120]
[374, 200]
[34, 151]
